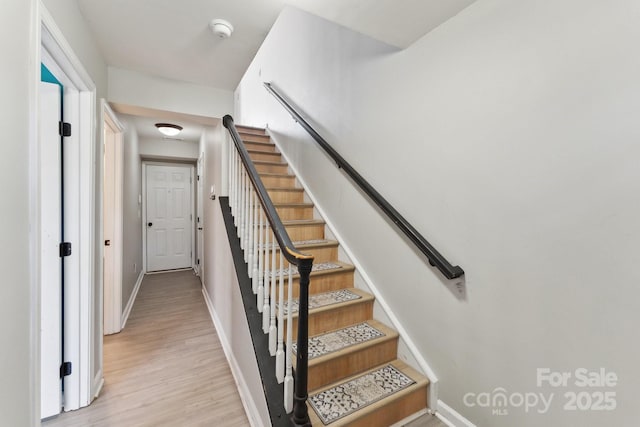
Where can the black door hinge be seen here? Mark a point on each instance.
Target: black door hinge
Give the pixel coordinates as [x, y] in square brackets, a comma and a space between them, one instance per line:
[65, 369]
[65, 249]
[64, 128]
[198, 262]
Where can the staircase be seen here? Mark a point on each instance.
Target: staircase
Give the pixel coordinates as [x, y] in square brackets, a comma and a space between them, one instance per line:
[355, 377]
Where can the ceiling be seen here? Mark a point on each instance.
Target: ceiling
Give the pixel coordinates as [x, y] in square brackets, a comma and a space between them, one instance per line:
[171, 38]
[145, 127]
[144, 121]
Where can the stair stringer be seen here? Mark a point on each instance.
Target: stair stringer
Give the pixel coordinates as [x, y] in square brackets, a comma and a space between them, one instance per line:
[407, 350]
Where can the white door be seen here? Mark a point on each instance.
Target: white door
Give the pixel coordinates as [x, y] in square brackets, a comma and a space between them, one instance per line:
[169, 217]
[200, 221]
[50, 238]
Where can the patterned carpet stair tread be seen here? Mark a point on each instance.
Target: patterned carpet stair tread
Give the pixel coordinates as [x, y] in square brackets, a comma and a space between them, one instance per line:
[323, 299]
[344, 399]
[321, 266]
[340, 339]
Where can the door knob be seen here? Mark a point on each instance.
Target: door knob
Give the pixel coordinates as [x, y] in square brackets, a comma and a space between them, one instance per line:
[150, 224]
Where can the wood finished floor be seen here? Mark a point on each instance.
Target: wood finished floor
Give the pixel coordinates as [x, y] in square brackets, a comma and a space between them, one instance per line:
[427, 421]
[167, 367]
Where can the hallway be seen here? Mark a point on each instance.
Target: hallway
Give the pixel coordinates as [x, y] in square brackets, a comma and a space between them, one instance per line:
[167, 367]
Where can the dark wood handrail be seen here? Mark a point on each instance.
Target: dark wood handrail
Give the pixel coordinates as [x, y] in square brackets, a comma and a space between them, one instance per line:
[284, 241]
[304, 262]
[434, 257]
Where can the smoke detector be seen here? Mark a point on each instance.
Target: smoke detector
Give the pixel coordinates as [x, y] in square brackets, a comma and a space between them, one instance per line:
[221, 28]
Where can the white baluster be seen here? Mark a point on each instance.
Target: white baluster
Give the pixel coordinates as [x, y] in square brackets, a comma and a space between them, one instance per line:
[265, 301]
[281, 306]
[251, 219]
[246, 218]
[236, 185]
[230, 174]
[241, 209]
[273, 333]
[256, 234]
[237, 178]
[239, 196]
[288, 379]
[261, 275]
[245, 232]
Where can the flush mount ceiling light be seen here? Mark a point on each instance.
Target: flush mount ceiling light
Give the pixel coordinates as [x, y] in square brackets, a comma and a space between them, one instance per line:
[221, 28]
[169, 129]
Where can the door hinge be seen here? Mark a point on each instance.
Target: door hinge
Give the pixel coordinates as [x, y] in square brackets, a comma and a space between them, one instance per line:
[65, 369]
[198, 177]
[64, 128]
[198, 262]
[65, 249]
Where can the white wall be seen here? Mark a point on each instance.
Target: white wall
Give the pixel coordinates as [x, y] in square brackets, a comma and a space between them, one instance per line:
[68, 18]
[221, 282]
[18, 387]
[508, 137]
[132, 210]
[168, 149]
[143, 90]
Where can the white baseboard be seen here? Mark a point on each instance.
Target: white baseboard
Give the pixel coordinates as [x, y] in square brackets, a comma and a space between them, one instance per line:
[132, 299]
[98, 388]
[245, 395]
[450, 417]
[404, 336]
[410, 418]
[96, 385]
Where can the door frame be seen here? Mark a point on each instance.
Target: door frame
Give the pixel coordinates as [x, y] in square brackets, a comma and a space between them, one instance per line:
[112, 292]
[80, 194]
[199, 214]
[146, 163]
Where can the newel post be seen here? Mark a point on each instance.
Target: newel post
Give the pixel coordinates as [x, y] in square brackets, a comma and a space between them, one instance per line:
[300, 416]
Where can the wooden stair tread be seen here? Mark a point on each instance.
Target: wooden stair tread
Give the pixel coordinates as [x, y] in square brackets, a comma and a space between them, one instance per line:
[323, 268]
[365, 414]
[270, 153]
[302, 222]
[293, 205]
[387, 334]
[292, 189]
[252, 133]
[269, 162]
[315, 243]
[260, 142]
[276, 174]
[360, 296]
[261, 136]
[342, 268]
[312, 244]
[250, 130]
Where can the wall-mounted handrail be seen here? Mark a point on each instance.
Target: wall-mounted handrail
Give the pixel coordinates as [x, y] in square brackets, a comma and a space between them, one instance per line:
[304, 263]
[435, 258]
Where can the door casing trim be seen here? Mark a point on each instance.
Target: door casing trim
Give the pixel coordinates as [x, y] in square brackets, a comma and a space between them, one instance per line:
[191, 167]
[113, 296]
